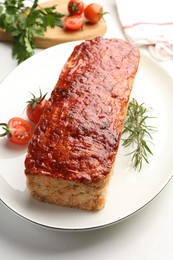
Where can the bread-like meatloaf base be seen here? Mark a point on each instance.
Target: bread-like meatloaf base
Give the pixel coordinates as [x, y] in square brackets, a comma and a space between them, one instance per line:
[71, 155]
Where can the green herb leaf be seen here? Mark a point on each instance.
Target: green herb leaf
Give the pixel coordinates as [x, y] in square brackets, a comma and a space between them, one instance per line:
[137, 134]
[24, 23]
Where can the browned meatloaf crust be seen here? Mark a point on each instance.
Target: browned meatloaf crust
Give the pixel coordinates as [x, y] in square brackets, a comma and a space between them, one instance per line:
[71, 154]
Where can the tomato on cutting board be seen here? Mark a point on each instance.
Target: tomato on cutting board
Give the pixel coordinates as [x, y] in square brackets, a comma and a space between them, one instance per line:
[74, 22]
[17, 130]
[93, 13]
[36, 107]
[75, 7]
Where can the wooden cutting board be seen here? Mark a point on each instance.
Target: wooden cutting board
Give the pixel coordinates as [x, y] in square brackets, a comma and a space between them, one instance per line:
[58, 35]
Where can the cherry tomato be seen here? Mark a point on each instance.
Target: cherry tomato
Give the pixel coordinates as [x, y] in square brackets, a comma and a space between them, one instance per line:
[36, 107]
[74, 22]
[75, 7]
[93, 13]
[17, 130]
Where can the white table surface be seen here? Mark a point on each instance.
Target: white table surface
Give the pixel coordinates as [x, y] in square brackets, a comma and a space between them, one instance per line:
[146, 235]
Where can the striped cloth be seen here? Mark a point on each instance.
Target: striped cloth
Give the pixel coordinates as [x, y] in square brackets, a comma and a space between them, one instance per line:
[148, 23]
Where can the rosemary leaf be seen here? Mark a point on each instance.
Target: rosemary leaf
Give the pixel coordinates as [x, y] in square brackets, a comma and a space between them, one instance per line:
[137, 134]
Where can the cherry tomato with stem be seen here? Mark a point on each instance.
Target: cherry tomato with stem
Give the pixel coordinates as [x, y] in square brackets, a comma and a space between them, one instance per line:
[74, 22]
[93, 13]
[75, 7]
[35, 107]
[18, 130]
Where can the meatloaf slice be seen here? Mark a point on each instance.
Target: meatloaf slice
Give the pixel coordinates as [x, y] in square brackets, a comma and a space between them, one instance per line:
[71, 155]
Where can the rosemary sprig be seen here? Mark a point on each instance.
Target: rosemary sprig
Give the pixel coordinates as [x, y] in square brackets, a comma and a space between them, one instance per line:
[137, 133]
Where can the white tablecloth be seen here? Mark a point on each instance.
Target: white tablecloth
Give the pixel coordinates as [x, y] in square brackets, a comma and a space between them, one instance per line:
[148, 235]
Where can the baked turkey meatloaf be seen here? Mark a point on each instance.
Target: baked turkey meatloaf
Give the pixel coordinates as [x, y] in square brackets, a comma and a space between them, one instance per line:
[71, 155]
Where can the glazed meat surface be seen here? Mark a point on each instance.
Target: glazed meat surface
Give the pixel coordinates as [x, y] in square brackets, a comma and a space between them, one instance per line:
[78, 134]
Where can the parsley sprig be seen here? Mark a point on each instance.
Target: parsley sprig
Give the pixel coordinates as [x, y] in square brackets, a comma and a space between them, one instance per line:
[24, 23]
[137, 133]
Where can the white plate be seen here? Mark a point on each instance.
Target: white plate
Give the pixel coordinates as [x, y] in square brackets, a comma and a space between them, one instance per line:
[128, 191]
